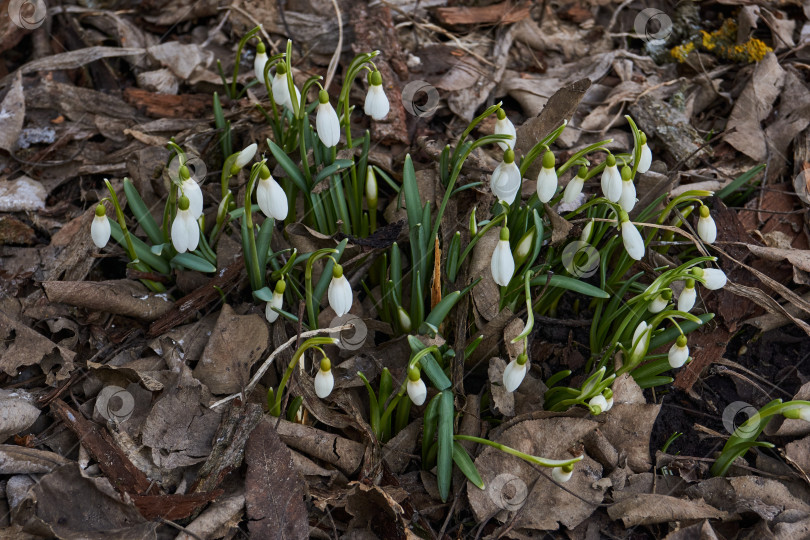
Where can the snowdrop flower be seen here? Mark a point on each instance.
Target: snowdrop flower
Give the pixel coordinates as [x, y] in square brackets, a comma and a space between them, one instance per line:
[713, 278]
[547, 178]
[686, 300]
[574, 187]
[515, 372]
[627, 200]
[678, 353]
[324, 380]
[100, 229]
[326, 121]
[270, 196]
[598, 404]
[611, 180]
[798, 412]
[505, 180]
[191, 189]
[260, 61]
[376, 105]
[660, 301]
[504, 126]
[633, 243]
[645, 160]
[185, 231]
[502, 264]
[640, 343]
[524, 247]
[276, 302]
[281, 91]
[706, 228]
[340, 292]
[417, 390]
[243, 158]
[562, 474]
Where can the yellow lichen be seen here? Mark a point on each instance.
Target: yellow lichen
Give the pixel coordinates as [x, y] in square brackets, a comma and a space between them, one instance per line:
[723, 44]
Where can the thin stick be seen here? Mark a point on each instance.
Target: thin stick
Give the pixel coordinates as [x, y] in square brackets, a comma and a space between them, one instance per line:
[266, 365]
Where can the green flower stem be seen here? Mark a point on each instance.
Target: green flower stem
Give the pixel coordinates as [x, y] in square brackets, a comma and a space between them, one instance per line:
[256, 275]
[530, 317]
[543, 462]
[540, 148]
[310, 343]
[313, 319]
[694, 195]
[474, 240]
[226, 174]
[636, 146]
[242, 43]
[587, 150]
[477, 120]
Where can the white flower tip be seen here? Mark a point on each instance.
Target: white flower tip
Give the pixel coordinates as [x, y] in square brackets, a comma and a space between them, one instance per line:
[324, 382]
[598, 403]
[417, 392]
[100, 231]
[513, 375]
[560, 475]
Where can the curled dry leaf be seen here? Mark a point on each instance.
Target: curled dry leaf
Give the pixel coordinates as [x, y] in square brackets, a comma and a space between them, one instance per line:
[20, 346]
[121, 297]
[17, 413]
[646, 509]
[21, 460]
[512, 484]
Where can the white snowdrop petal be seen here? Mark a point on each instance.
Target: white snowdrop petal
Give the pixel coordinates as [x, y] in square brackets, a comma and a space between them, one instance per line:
[417, 391]
[627, 200]
[258, 67]
[340, 295]
[277, 200]
[505, 127]
[276, 302]
[658, 304]
[560, 476]
[632, 240]
[677, 356]
[327, 125]
[179, 233]
[715, 279]
[513, 375]
[612, 183]
[573, 189]
[100, 231]
[609, 405]
[376, 105]
[598, 401]
[505, 182]
[245, 155]
[546, 184]
[645, 160]
[191, 189]
[804, 413]
[707, 229]
[502, 264]
[324, 382]
[192, 231]
[686, 301]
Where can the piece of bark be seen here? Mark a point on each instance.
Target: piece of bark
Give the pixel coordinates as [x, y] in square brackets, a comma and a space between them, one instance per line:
[274, 490]
[344, 454]
[167, 105]
[229, 445]
[671, 129]
[503, 13]
[121, 297]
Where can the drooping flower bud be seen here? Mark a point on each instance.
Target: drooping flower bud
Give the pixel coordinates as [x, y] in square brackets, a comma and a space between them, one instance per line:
[100, 229]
